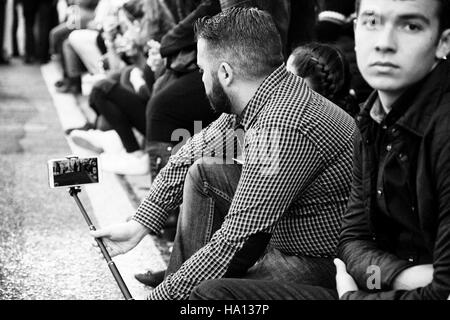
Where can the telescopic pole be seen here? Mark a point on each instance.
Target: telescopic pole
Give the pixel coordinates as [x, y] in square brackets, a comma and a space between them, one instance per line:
[112, 266]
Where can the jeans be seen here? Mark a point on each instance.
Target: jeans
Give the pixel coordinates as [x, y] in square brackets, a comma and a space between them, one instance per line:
[208, 193]
[276, 277]
[244, 289]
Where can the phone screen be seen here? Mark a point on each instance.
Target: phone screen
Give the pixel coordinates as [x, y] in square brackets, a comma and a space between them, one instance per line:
[73, 172]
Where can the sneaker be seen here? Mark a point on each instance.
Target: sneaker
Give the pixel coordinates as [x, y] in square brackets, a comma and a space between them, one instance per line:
[60, 83]
[134, 163]
[98, 141]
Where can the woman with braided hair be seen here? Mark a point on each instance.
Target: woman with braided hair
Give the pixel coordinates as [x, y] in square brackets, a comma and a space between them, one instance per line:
[325, 70]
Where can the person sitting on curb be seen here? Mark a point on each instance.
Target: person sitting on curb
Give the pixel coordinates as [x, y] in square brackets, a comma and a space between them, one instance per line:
[395, 239]
[291, 190]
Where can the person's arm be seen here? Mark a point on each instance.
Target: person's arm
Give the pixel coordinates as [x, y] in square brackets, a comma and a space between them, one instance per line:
[167, 189]
[182, 35]
[357, 245]
[439, 288]
[268, 184]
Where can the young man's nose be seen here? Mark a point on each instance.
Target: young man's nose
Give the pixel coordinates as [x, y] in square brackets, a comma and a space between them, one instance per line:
[386, 40]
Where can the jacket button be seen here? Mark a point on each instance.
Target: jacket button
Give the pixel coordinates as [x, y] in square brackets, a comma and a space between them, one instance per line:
[411, 259]
[385, 127]
[389, 147]
[380, 193]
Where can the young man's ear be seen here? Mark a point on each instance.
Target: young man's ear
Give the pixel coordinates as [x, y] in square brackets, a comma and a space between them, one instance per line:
[225, 74]
[443, 49]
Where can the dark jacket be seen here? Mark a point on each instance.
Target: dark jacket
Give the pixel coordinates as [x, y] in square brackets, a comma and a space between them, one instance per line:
[411, 181]
[182, 35]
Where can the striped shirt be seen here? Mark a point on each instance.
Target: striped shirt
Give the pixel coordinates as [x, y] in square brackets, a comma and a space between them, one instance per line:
[295, 186]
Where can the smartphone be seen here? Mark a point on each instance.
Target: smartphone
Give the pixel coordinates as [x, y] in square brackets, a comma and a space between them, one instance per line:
[73, 172]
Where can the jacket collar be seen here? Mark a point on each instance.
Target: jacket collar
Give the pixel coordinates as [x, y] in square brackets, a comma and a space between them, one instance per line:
[421, 100]
[262, 95]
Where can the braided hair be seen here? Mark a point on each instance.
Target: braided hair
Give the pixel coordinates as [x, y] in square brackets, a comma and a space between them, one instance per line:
[328, 73]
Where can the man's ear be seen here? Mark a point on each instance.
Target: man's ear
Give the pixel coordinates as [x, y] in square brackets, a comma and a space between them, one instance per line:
[443, 49]
[225, 74]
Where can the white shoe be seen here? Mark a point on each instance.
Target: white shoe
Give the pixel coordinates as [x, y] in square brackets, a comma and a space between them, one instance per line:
[98, 141]
[135, 163]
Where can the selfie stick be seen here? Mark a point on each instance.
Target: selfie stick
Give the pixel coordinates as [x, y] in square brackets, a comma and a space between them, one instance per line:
[116, 274]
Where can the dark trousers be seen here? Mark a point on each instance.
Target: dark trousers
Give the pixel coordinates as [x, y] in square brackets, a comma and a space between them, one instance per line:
[122, 108]
[2, 25]
[177, 104]
[15, 27]
[243, 289]
[40, 11]
[209, 190]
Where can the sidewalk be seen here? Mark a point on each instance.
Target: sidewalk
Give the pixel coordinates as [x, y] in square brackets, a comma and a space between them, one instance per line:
[116, 197]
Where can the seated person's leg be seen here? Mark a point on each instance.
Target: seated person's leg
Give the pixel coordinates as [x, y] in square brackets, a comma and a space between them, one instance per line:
[208, 192]
[243, 289]
[278, 266]
[57, 36]
[84, 42]
[123, 110]
[74, 70]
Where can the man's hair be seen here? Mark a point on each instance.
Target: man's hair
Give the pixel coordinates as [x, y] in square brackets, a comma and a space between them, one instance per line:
[246, 38]
[443, 14]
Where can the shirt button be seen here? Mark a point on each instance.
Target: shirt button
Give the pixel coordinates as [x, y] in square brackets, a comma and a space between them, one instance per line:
[389, 147]
[411, 259]
[385, 127]
[380, 193]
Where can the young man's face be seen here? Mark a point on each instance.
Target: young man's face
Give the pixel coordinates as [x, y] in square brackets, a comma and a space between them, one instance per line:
[396, 42]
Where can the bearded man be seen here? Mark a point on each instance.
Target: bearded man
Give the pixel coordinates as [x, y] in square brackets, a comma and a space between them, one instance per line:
[278, 210]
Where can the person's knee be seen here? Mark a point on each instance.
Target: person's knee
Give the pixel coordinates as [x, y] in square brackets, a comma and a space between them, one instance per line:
[200, 172]
[76, 38]
[98, 93]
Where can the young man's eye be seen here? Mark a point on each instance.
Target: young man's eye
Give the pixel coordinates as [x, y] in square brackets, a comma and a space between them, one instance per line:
[371, 22]
[412, 27]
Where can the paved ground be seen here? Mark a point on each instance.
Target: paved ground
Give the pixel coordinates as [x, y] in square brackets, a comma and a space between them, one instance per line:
[45, 250]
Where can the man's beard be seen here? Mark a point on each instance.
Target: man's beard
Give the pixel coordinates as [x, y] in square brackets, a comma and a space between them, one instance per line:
[218, 99]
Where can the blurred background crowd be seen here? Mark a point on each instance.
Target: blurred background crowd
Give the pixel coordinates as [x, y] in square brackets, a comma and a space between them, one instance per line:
[143, 56]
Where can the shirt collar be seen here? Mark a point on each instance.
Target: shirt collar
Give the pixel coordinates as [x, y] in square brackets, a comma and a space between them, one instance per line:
[414, 109]
[377, 112]
[262, 95]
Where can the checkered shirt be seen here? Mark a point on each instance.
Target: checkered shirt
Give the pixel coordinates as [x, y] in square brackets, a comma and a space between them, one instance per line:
[297, 188]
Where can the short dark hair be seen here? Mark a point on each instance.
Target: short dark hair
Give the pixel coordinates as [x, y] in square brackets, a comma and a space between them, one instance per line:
[246, 37]
[444, 13]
